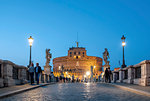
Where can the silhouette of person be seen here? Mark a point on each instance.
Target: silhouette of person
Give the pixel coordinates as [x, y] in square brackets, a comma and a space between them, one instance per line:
[37, 70]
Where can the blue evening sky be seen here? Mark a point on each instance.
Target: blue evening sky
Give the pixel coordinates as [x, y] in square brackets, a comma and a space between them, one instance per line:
[54, 24]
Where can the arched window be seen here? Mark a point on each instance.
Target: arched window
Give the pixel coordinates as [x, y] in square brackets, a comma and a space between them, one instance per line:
[83, 54]
[70, 54]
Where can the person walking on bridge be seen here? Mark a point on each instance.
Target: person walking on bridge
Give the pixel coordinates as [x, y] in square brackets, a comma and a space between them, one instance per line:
[106, 75]
[38, 70]
[31, 71]
[109, 75]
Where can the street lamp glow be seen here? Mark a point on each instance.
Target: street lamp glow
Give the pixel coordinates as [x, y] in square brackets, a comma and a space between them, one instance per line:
[66, 72]
[85, 76]
[123, 43]
[94, 67]
[30, 40]
[87, 73]
[30, 43]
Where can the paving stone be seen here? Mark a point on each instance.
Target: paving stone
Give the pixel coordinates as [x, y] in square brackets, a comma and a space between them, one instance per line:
[77, 92]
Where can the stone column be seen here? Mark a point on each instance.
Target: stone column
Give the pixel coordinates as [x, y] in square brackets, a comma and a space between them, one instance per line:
[114, 77]
[8, 75]
[1, 77]
[121, 75]
[22, 75]
[145, 73]
[130, 75]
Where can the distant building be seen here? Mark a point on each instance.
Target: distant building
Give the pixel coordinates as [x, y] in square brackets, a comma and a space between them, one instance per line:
[77, 63]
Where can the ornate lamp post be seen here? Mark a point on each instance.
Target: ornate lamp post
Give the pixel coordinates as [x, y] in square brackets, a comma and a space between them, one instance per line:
[123, 44]
[30, 43]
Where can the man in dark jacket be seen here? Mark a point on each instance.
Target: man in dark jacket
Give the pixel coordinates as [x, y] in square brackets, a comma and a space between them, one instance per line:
[37, 70]
[109, 76]
[106, 75]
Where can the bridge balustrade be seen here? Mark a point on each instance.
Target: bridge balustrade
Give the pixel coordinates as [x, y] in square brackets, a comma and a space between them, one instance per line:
[134, 74]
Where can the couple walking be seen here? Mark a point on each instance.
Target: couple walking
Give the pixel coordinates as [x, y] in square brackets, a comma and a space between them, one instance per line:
[107, 75]
[37, 70]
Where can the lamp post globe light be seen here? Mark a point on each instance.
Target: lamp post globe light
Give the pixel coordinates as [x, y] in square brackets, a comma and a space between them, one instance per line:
[30, 43]
[88, 73]
[123, 45]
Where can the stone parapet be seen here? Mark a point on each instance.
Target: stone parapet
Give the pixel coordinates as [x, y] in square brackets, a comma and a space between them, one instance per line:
[134, 74]
[1, 82]
[12, 74]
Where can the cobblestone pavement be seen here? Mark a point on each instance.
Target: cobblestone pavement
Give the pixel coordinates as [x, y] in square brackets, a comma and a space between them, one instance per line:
[77, 92]
[13, 88]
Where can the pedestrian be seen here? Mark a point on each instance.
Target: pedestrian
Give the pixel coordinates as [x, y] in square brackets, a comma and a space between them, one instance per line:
[64, 79]
[57, 79]
[37, 70]
[50, 78]
[60, 78]
[106, 75]
[72, 78]
[31, 71]
[109, 74]
[69, 79]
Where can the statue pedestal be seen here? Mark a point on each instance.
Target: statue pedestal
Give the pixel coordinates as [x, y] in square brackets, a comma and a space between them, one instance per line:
[106, 66]
[47, 72]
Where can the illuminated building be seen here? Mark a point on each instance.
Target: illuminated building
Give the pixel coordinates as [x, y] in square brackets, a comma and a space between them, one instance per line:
[77, 63]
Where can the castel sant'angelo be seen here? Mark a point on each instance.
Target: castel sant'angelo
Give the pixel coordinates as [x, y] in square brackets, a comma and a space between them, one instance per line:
[77, 63]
